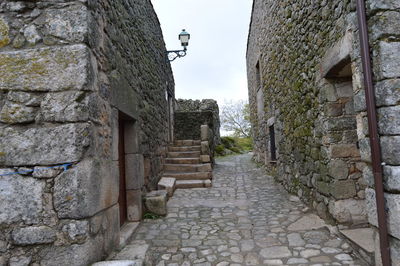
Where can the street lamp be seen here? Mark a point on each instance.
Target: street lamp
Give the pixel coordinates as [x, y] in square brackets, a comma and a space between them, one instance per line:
[174, 54]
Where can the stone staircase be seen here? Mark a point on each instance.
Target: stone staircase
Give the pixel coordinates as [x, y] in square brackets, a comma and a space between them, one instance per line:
[186, 164]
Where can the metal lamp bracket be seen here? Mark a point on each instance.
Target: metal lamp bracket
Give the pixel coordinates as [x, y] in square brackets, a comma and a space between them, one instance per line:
[174, 54]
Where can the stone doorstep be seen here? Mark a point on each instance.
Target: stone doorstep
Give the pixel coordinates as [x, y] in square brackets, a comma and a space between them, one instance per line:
[133, 254]
[168, 184]
[136, 249]
[126, 233]
[362, 240]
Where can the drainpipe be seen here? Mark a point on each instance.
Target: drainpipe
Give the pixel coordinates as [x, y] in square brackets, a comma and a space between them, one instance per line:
[373, 132]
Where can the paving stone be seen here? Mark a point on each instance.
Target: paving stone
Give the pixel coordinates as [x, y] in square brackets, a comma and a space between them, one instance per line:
[321, 259]
[275, 252]
[244, 219]
[251, 259]
[297, 261]
[295, 240]
[344, 257]
[306, 223]
[329, 250]
[237, 258]
[246, 245]
[273, 262]
[310, 253]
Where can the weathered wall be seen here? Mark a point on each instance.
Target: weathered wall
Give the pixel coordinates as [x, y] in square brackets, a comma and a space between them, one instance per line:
[190, 115]
[304, 79]
[70, 70]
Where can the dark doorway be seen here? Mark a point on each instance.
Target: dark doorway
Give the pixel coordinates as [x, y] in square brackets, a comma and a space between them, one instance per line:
[272, 143]
[170, 119]
[258, 76]
[123, 209]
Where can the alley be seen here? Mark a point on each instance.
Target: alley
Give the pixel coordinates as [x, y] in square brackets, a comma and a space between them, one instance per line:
[245, 219]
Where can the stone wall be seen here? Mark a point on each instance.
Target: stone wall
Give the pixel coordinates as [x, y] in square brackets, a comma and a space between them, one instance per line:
[306, 89]
[85, 83]
[190, 115]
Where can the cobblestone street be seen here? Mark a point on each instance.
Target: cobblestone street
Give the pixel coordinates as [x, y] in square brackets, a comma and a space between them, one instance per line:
[244, 219]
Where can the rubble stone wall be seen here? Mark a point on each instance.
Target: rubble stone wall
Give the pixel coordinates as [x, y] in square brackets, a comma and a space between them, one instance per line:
[71, 72]
[190, 115]
[305, 84]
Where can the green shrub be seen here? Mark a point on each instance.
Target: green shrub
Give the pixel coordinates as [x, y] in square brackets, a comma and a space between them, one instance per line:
[220, 150]
[245, 144]
[233, 144]
[228, 142]
[151, 216]
[235, 149]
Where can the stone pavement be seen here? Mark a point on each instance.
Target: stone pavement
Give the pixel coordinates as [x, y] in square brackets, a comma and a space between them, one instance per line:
[244, 219]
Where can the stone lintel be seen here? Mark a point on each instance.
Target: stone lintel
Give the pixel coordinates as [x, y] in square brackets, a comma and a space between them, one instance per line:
[338, 57]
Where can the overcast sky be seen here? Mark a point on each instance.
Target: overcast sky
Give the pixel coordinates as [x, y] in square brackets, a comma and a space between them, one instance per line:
[215, 66]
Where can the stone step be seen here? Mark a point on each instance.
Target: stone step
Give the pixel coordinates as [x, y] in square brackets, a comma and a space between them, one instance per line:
[178, 168]
[362, 241]
[136, 251]
[184, 148]
[182, 160]
[168, 184]
[189, 176]
[182, 184]
[187, 142]
[185, 154]
[127, 230]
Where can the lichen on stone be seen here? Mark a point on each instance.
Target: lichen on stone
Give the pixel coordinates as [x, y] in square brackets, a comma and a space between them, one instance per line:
[4, 33]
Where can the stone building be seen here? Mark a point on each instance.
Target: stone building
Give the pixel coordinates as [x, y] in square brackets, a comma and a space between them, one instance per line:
[86, 103]
[308, 105]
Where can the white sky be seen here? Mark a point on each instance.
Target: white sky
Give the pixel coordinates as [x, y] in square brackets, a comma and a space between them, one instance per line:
[215, 66]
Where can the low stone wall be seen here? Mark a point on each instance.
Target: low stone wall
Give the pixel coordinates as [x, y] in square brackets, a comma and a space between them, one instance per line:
[187, 124]
[190, 115]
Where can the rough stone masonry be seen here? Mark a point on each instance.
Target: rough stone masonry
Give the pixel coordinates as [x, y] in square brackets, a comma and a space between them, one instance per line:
[86, 83]
[190, 115]
[308, 105]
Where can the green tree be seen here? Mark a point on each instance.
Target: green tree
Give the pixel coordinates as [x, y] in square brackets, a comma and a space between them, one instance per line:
[235, 118]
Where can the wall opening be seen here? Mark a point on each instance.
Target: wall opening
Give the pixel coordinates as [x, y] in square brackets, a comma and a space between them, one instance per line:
[258, 75]
[272, 143]
[131, 170]
[123, 210]
[170, 114]
[260, 106]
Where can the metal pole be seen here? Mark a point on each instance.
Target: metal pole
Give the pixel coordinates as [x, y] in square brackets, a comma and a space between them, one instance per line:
[373, 133]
